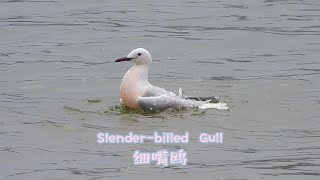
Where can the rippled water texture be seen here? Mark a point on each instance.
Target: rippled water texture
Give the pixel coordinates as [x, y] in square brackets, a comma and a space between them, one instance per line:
[59, 87]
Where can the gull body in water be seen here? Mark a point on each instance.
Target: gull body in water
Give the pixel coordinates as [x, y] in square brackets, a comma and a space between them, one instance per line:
[137, 93]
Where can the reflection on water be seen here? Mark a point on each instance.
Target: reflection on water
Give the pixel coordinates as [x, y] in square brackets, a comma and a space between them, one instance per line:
[60, 87]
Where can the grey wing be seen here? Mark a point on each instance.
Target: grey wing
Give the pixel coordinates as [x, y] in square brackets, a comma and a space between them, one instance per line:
[159, 103]
[156, 91]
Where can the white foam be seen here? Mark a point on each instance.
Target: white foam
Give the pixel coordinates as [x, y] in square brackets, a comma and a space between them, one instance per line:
[220, 105]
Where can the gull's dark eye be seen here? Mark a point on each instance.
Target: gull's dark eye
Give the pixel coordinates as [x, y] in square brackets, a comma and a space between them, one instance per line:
[139, 54]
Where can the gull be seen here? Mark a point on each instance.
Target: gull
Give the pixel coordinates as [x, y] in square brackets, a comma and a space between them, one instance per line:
[137, 93]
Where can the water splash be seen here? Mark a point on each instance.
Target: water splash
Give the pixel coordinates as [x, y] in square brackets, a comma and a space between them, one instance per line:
[180, 92]
[220, 105]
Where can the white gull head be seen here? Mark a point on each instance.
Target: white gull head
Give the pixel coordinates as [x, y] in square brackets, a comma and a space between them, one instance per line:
[139, 56]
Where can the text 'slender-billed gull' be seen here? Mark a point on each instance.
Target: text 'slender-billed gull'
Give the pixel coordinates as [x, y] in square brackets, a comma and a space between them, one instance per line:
[137, 93]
